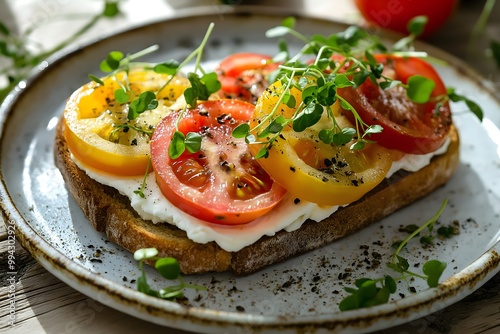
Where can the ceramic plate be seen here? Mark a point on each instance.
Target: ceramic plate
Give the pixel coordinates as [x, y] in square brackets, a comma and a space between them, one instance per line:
[301, 294]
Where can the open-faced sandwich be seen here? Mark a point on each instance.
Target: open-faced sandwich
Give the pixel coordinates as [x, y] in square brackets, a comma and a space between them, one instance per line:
[262, 159]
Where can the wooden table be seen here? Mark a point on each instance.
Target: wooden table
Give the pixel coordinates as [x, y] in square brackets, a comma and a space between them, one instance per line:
[46, 305]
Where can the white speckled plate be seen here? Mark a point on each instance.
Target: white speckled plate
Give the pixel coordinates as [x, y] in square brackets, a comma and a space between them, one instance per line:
[299, 295]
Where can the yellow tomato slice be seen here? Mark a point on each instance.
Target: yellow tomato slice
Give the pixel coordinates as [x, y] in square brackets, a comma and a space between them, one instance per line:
[98, 131]
[310, 169]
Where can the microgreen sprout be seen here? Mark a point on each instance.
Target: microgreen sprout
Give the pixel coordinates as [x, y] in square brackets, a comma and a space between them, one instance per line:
[370, 292]
[169, 268]
[117, 63]
[140, 191]
[203, 85]
[416, 28]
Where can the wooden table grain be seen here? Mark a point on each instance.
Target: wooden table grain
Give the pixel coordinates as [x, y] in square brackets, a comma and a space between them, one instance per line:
[44, 304]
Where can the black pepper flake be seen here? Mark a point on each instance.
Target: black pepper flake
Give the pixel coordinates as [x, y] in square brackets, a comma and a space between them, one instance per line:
[341, 164]
[124, 278]
[296, 201]
[133, 142]
[240, 308]
[412, 289]
[292, 169]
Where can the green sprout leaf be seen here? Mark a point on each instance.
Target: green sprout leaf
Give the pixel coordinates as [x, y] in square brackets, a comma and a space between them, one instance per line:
[177, 146]
[145, 253]
[289, 100]
[342, 81]
[112, 62]
[171, 67]
[433, 269]
[309, 116]
[111, 8]
[473, 107]
[417, 25]
[211, 82]
[121, 96]
[277, 32]
[420, 88]
[241, 131]
[344, 136]
[168, 267]
[193, 142]
[145, 101]
[263, 153]
[374, 129]
[201, 88]
[389, 84]
[96, 79]
[289, 22]
[274, 127]
[358, 145]
[326, 136]
[390, 283]
[360, 77]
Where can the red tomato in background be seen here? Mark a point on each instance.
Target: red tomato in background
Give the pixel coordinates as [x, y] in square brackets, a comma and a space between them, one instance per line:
[395, 14]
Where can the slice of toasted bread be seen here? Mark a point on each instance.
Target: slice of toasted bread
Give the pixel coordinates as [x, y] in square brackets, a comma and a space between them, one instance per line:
[110, 212]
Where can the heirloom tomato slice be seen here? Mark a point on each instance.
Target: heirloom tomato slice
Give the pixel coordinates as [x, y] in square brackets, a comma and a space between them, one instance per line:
[98, 131]
[221, 183]
[308, 168]
[407, 126]
[244, 75]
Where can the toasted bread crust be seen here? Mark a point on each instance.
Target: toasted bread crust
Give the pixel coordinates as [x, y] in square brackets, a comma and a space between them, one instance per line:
[110, 213]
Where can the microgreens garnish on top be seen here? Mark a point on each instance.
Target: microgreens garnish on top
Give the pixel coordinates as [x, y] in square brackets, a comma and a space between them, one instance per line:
[116, 63]
[203, 84]
[344, 59]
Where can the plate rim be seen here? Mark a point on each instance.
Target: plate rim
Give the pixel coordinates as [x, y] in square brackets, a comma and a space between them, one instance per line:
[471, 277]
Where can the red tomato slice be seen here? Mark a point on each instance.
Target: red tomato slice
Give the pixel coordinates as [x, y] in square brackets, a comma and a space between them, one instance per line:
[243, 75]
[222, 183]
[408, 126]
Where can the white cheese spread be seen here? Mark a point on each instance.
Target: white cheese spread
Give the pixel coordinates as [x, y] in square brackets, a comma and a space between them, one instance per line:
[286, 215]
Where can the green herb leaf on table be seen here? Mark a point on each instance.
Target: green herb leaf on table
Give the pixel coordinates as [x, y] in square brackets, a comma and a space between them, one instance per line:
[169, 268]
